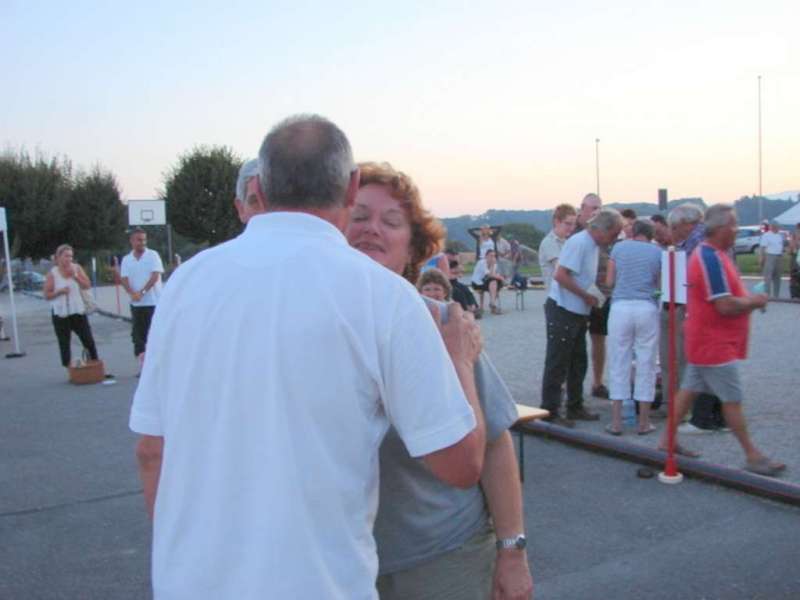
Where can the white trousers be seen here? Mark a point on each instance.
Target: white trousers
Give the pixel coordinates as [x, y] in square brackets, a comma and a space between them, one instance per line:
[633, 327]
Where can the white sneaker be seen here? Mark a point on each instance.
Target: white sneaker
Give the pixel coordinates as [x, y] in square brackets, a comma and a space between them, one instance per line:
[689, 429]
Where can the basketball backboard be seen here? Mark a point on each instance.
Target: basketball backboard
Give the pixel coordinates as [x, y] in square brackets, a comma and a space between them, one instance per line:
[146, 212]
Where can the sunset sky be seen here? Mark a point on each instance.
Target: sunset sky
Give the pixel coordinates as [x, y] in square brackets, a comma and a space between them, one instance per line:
[485, 104]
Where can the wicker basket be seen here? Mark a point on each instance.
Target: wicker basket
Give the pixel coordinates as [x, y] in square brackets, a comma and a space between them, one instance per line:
[87, 371]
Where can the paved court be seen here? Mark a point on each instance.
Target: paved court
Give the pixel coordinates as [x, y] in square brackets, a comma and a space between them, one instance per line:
[72, 521]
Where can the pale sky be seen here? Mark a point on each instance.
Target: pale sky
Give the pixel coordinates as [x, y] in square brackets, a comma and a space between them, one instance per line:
[485, 104]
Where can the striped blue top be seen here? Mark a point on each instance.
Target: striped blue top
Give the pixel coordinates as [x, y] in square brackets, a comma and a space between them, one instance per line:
[638, 270]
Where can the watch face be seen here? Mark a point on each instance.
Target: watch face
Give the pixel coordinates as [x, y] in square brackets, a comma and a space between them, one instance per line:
[520, 542]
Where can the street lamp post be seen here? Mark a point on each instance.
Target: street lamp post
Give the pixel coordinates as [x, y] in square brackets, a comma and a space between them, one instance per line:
[597, 163]
[760, 190]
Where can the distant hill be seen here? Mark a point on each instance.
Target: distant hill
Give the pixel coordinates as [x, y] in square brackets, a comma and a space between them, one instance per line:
[790, 195]
[747, 208]
[458, 227]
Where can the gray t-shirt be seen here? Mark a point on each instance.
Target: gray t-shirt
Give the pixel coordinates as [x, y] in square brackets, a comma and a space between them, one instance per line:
[579, 255]
[549, 250]
[638, 270]
[420, 517]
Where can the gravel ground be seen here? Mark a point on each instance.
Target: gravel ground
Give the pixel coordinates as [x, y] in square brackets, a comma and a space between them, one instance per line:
[516, 342]
[73, 524]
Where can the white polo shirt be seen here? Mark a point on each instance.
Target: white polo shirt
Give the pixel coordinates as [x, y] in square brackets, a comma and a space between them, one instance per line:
[580, 255]
[772, 243]
[275, 364]
[138, 271]
[481, 270]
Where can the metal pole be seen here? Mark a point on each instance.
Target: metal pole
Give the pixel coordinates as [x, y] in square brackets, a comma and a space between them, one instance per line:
[670, 473]
[597, 163]
[760, 190]
[17, 353]
[169, 244]
[116, 283]
[94, 277]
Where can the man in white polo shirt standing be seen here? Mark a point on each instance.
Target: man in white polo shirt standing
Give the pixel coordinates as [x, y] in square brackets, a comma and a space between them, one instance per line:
[141, 277]
[263, 402]
[771, 255]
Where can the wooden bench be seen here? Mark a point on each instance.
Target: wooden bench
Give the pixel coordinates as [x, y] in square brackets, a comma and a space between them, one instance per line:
[526, 414]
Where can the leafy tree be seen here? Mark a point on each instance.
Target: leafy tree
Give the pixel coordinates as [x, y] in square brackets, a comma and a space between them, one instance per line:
[524, 233]
[199, 192]
[35, 194]
[96, 217]
[456, 246]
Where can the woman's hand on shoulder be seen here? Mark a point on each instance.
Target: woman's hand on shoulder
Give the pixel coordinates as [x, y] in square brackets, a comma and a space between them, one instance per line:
[461, 335]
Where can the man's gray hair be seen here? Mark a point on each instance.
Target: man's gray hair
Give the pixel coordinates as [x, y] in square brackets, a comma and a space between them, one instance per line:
[247, 171]
[685, 213]
[591, 196]
[719, 215]
[606, 219]
[305, 162]
[643, 226]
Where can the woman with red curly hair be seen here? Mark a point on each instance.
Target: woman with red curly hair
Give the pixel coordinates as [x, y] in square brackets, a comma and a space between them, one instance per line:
[435, 540]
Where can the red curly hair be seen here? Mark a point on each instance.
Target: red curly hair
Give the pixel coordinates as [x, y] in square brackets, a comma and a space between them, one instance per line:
[427, 232]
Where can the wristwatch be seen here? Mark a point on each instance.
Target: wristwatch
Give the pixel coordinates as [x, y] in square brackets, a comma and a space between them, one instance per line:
[518, 542]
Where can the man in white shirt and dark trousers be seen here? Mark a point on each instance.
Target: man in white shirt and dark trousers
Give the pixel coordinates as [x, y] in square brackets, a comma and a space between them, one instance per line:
[567, 311]
[141, 277]
[262, 404]
[771, 254]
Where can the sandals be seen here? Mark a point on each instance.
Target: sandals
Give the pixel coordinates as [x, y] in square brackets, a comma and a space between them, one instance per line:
[681, 451]
[610, 429]
[765, 466]
[495, 310]
[650, 429]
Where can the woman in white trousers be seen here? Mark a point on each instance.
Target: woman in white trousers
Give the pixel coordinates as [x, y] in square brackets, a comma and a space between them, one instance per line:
[634, 270]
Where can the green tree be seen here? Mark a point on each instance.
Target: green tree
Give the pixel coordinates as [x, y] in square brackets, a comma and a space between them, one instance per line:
[456, 246]
[199, 192]
[524, 233]
[34, 193]
[96, 217]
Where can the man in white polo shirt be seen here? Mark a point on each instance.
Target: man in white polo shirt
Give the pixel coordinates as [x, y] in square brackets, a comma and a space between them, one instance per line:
[141, 271]
[771, 254]
[263, 402]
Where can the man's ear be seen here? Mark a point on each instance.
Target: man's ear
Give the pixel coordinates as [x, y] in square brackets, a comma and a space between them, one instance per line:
[352, 188]
[240, 210]
[254, 189]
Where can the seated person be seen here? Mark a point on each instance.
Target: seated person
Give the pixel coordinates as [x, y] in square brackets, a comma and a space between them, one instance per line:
[460, 292]
[433, 284]
[486, 278]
